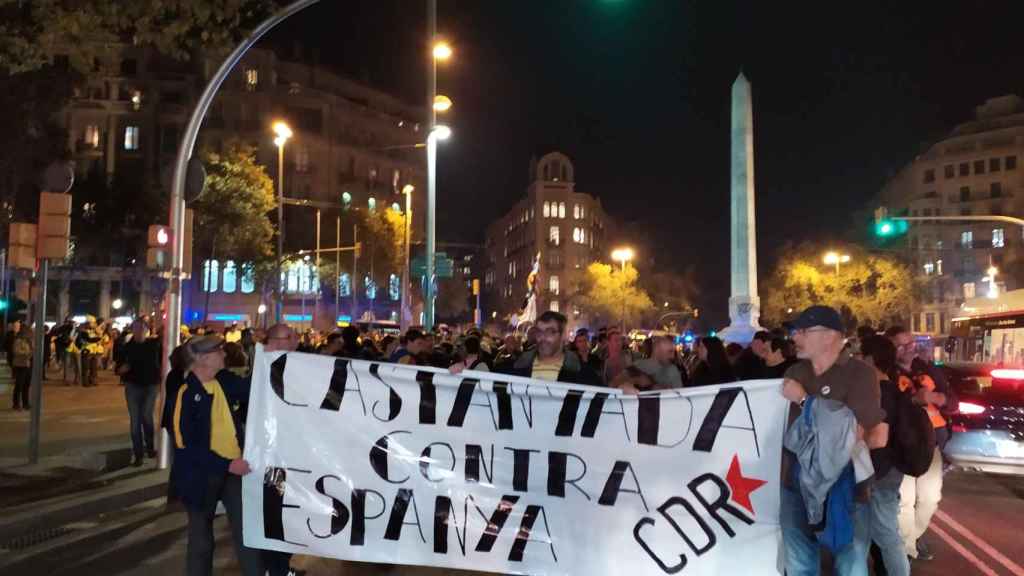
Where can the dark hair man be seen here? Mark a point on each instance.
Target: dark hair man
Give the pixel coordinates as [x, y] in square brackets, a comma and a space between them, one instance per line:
[751, 363]
[548, 360]
[775, 361]
[919, 497]
[140, 373]
[415, 344]
[827, 371]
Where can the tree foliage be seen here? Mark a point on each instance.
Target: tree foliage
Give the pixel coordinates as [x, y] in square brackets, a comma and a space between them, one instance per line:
[33, 33]
[452, 302]
[869, 289]
[609, 293]
[231, 220]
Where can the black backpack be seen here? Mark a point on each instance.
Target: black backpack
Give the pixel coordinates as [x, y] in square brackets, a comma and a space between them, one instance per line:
[912, 437]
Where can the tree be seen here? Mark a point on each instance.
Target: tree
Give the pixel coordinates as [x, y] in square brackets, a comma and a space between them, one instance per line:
[672, 293]
[870, 288]
[611, 294]
[33, 33]
[452, 302]
[231, 220]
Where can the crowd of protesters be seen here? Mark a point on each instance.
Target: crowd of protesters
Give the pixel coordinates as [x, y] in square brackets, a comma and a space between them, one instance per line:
[872, 375]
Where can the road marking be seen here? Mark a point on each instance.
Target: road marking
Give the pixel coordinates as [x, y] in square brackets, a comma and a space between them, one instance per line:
[981, 566]
[985, 547]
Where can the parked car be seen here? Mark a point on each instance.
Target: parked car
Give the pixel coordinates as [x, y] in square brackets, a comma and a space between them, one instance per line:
[988, 422]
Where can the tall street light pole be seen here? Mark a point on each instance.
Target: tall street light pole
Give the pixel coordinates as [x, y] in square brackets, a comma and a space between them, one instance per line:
[403, 320]
[439, 50]
[283, 134]
[623, 255]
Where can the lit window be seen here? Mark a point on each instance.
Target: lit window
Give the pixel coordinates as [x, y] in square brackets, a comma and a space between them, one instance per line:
[553, 285]
[997, 238]
[211, 272]
[395, 287]
[396, 208]
[969, 290]
[967, 239]
[576, 235]
[553, 235]
[561, 210]
[293, 280]
[345, 285]
[583, 235]
[371, 288]
[131, 138]
[575, 211]
[248, 280]
[136, 100]
[553, 306]
[929, 268]
[92, 135]
[583, 212]
[938, 267]
[372, 203]
[346, 198]
[252, 78]
[230, 277]
[547, 209]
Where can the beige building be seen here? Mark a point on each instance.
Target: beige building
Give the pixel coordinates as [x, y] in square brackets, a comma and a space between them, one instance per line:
[568, 229]
[974, 171]
[353, 146]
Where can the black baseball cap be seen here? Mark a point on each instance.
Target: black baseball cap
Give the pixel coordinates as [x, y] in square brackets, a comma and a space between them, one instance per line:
[824, 316]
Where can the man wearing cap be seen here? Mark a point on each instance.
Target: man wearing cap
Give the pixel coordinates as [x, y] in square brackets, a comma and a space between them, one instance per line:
[827, 371]
[208, 429]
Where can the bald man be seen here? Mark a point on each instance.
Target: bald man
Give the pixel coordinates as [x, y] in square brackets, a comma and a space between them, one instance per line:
[281, 338]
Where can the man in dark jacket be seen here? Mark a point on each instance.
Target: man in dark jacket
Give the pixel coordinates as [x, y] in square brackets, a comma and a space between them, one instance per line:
[208, 429]
[549, 360]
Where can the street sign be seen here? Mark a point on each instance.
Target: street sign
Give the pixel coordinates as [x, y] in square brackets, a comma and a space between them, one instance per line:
[444, 267]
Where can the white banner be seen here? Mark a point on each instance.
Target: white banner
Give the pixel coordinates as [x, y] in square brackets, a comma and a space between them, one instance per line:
[381, 462]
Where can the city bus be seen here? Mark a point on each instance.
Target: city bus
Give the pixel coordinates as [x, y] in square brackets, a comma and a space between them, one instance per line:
[989, 331]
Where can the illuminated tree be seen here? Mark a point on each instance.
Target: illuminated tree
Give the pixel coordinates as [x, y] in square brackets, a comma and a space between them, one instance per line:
[611, 295]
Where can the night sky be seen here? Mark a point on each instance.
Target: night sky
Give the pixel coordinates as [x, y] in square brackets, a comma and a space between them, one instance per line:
[636, 92]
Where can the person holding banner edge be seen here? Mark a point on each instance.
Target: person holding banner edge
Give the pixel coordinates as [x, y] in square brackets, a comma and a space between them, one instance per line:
[826, 370]
[208, 431]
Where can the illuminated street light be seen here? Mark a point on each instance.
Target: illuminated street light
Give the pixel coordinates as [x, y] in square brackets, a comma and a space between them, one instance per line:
[117, 304]
[441, 132]
[261, 309]
[623, 255]
[442, 50]
[283, 132]
[442, 103]
[836, 259]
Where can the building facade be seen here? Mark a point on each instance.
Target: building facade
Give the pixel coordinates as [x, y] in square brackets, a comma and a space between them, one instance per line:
[564, 230]
[974, 171]
[353, 147]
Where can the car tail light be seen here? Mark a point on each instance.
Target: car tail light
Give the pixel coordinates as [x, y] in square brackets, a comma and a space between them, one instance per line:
[1008, 374]
[970, 408]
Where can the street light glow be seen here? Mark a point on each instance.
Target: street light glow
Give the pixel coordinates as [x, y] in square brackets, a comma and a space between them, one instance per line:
[117, 303]
[836, 258]
[622, 255]
[408, 188]
[441, 132]
[261, 309]
[442, 50]
[442, 103]
[282, 130]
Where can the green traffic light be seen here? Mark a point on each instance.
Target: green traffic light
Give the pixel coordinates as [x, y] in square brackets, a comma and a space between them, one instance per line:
[3, 304]
[885, 229]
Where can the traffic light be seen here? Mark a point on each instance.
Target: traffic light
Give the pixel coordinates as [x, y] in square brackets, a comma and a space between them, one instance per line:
[54, 225]
[158, 251]
[886, 227]
[21, 245]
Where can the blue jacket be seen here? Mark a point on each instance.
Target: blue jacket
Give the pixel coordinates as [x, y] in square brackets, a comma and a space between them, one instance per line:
[194, 462]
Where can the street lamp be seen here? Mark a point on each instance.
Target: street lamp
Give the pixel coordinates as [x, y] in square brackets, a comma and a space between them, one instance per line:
[440, 51]
[117, 304]
[407, 191]
[836, 259]
[283, 133]
[623, 255]
[442, 103]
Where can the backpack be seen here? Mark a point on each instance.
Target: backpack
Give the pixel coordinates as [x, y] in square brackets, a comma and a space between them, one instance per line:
[911, 437]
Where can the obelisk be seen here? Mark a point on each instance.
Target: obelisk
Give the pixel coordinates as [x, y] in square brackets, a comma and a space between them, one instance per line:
[744, 304]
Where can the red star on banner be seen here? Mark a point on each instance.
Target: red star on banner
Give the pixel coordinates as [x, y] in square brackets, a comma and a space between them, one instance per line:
[740, 485]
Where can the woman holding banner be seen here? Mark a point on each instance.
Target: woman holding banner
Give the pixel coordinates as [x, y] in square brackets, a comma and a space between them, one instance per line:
[208, 429]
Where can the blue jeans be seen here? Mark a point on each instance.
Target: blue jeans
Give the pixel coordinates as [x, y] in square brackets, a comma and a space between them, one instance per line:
[803, 556]
[885, 529]
[141, 400]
